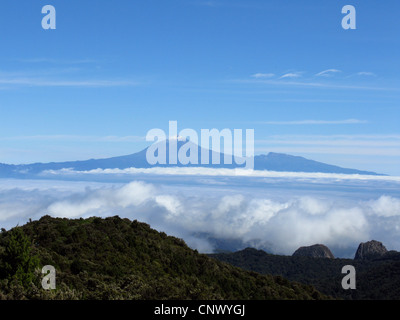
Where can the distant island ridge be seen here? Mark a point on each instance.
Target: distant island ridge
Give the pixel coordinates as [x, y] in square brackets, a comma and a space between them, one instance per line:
[271, 162]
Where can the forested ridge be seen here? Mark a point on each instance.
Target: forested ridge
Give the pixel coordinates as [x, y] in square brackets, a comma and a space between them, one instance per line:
[114, 258]
[376, 279]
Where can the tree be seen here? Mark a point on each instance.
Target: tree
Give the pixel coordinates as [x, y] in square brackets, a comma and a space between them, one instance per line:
[19, 262]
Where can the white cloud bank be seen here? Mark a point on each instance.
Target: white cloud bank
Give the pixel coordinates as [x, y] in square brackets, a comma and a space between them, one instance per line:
[225, 172]
[281, 224]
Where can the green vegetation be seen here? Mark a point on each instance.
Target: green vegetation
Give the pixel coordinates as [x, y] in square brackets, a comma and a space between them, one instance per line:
[375, 279]
[116, 258]
[17, 261]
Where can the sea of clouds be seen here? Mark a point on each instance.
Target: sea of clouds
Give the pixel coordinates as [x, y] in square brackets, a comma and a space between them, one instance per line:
[278, 215]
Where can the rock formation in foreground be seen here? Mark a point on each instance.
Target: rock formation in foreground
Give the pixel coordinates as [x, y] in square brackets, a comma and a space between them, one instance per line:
[370, 250]
[315, 251]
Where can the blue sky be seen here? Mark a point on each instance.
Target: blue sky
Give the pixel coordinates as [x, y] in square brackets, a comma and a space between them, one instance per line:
[111, 71]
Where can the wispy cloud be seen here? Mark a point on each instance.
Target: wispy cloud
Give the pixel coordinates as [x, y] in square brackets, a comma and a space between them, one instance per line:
[356, 145]
[37, 82]
[309, 84]
[56, 61]
[291, 75]
[362, 74]
[350, 137]
[297, 78]
[316, 122]
[355, 151]
[365, 73]
[349, 141]
[327, 73]
[263, 75]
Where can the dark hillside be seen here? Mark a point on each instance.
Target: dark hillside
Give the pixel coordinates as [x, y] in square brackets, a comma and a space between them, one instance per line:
[375, 278]
[116, 258]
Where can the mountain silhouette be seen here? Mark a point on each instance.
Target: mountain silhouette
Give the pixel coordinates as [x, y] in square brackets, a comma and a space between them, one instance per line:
[271, 161]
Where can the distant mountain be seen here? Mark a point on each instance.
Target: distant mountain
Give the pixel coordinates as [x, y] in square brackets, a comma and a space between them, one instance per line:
[284, 162]
[315, 251]
[271, 161]
[370, 250]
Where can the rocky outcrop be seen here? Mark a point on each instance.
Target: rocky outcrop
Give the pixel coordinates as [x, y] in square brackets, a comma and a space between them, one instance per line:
[370, 250]
[315, 251]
